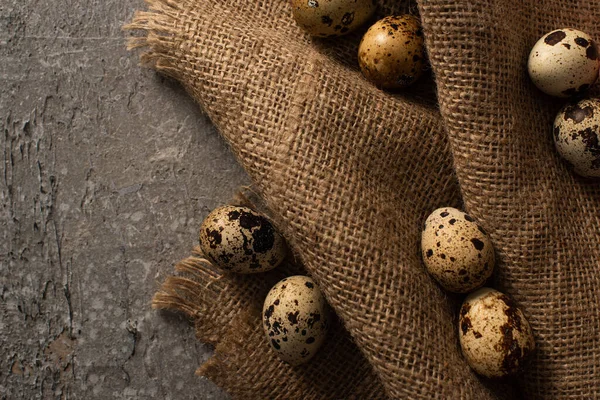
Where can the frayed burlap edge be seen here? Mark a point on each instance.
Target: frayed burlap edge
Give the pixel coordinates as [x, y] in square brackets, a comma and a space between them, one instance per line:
[159, 25]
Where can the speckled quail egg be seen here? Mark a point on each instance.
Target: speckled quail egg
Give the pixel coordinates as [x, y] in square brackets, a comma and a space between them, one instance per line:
[240, 240]
[456, 251]
[327, 18]
[577, 136]
[391, 54]
[495, 337]
[564, 62]
[295, 319]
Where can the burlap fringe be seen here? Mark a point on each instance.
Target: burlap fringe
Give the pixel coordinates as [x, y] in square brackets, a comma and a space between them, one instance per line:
[160, 35]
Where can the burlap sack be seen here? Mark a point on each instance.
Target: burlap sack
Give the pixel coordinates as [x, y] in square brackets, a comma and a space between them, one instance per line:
[349, 174]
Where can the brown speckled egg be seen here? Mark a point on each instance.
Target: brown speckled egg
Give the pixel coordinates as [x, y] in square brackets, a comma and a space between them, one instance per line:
[327, 18]
[456, 251]
[577, 136]
[295, 319]
[392, 54]
[240, 240]
[495, 337]
[564, 62]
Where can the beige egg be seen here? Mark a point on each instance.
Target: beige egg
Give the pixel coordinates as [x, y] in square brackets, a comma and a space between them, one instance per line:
[577, 136]
[495, 337]
[564, 62]
[391, 54]
[240, 240]
[295, 319]
[328, 18]
[456, 251]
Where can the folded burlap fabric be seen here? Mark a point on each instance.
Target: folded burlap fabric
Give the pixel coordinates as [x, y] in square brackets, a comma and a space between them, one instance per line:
[349, 173]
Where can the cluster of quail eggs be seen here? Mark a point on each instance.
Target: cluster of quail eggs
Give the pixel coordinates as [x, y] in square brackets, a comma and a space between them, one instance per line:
[391, 53]
[295, 314]
[494, 335]
[565, 63]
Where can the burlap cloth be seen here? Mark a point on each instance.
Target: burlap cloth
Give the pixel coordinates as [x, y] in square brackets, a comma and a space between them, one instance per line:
[349, 173]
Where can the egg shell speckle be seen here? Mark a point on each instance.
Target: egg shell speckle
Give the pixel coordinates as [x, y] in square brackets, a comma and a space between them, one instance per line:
[495, 337]
[456, 251]
[240, 240]
[564, 62]
[295, 319]
[391, 54]
[329, 18]
[577, 136]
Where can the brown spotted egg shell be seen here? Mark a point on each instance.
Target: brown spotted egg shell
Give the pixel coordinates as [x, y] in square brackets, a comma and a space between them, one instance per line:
[328, 18]
[391, 54]
[240, 240]
[495, 337]
[577, 136]
[564, 62]
[295, 319]
[456, 251]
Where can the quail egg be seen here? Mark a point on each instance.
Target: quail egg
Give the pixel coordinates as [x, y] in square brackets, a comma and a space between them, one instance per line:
[495, 337]
[391, 54]
[295, 319]
[456, 251]
[577, 136]
[564, 62]
[326, 18]
[240, 240]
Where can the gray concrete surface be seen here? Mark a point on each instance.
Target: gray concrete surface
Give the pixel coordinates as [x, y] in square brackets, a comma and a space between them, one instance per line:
[107, 172]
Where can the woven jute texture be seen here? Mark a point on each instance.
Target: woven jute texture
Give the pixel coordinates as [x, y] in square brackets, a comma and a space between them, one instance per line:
[349, 173]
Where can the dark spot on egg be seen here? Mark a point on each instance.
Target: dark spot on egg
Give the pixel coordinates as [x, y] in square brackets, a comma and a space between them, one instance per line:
[214, 238]
[592, 51]
[326, 19]
[567, 45]
[469, 218]
[452, 221]
[429, 253]
[477, 334]
[452, 259]
[313, 3]
[304, 353]
[481, 230]
[465, 324]
[277, 327]
[310, 340]
[269, 311]
[511, 350]
[293, 317]
[313, 318]
[581, 42]
[275, 344]
[441, 227]
[462, 272]
[276, 302]
[576, 113]
[348, 18]
[554, 38]
[477, 243]
[443, 256]
[309, 285]
[445, 214]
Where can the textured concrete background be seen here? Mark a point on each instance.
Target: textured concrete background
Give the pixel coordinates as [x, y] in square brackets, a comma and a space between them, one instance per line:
[107, 172]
